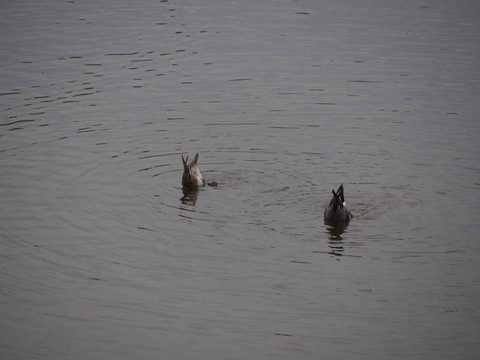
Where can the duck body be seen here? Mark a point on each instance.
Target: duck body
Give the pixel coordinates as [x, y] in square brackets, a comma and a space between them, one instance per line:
[192, 178]
[336, 211]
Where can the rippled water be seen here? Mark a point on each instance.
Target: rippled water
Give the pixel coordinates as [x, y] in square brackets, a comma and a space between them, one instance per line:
[284, 101]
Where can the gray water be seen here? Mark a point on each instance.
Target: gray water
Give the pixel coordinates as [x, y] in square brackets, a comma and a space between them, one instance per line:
[284, 100]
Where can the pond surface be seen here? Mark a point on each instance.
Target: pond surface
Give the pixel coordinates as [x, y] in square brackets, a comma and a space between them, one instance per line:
[284, 100]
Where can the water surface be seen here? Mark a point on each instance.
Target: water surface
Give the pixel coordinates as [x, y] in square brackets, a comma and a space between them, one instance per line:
[284, 101]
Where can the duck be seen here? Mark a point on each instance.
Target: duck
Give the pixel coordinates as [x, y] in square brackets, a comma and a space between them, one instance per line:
[337, 211]
[192, 178]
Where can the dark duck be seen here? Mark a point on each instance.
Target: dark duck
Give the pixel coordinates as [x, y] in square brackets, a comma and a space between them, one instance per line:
[336, 211]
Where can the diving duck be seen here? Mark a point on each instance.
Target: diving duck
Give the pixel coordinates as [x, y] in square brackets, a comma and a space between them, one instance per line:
[337, 210]
[191, 174]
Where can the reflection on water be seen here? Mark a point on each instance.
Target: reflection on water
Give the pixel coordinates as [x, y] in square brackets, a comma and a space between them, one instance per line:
[335, 230]
[190, 196]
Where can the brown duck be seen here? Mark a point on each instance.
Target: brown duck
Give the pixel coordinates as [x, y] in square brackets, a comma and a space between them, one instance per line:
[192, 178]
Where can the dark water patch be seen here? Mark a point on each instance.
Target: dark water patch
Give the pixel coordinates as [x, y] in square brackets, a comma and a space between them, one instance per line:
[418, 253]
[144, 228]
[84, 94]
[16, 122]
[152, 167]
[240, 79]
[123, 54]
[365, 81]
[10, 93]
[85, 130]
[284, 127]
[232, 124]
[160, 155]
